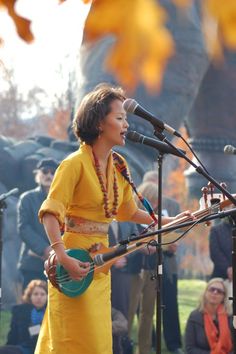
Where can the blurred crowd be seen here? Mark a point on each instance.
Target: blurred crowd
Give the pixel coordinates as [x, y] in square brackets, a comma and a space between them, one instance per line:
[134, 281]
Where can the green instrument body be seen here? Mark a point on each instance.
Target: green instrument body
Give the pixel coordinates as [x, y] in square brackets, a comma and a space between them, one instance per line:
[70, 287]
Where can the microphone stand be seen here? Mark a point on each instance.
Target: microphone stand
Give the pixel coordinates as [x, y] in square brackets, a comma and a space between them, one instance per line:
[202, 172]
[3, 206]
[159, 259]
[233, 298]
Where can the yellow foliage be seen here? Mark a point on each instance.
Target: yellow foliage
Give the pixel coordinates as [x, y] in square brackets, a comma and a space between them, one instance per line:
[142, 44]
[182, 3]
[224, 12]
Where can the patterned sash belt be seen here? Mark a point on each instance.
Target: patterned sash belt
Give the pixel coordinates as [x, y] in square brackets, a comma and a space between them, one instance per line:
[84, 226]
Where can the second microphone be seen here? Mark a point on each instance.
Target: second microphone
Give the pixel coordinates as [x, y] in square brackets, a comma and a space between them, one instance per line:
[160, 146]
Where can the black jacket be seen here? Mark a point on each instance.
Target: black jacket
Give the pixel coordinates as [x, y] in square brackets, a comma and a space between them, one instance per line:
[19, 329]
[31, 231]
[220, 245]
[134, 260]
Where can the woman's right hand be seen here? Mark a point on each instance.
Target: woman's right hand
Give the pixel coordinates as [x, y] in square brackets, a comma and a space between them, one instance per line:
[76, 269]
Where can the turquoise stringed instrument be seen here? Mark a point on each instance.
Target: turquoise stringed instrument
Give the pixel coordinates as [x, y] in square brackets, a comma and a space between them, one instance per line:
[60, 278]
[69, 286]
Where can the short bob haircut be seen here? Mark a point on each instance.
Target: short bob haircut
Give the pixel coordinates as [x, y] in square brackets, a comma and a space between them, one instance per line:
[30, 288]
[95, 106]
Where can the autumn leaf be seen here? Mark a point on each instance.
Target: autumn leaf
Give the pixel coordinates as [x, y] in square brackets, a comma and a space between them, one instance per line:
[224, 12]
[22, 24]
[142, 45]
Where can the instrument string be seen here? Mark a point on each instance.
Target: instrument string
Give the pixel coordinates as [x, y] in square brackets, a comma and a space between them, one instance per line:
[201, 214]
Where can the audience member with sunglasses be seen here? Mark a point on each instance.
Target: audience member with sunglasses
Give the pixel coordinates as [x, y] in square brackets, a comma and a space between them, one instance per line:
[35, 246]
[209, 327]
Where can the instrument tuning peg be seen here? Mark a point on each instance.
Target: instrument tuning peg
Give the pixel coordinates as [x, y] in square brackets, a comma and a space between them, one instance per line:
[224, 185]
[211, 188]
[204, 191]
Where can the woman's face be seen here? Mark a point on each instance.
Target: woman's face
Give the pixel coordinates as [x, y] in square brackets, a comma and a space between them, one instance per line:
[114, 126]
[38, 297]
[215, 293]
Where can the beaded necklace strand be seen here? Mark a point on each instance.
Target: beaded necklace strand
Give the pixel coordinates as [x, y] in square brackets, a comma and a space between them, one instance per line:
[121, 167]
[113, 210]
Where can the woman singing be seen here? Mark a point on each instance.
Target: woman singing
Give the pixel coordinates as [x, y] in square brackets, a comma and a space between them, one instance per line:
[87, 193]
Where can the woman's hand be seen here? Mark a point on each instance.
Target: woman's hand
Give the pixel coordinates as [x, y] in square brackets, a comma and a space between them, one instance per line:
[76, 269]
[184, 214]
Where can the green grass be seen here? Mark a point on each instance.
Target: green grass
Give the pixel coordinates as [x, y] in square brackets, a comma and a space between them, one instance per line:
[189, 292]
[4, 325]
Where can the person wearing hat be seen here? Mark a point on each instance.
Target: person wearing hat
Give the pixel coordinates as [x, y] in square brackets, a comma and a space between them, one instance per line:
[35, 246]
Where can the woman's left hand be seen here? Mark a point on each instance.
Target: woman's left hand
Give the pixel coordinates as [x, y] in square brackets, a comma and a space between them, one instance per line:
[184, 214]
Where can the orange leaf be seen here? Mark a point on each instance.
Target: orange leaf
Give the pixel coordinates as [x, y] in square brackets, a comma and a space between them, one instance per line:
[22, 24]
[224, 13]
[142, 44]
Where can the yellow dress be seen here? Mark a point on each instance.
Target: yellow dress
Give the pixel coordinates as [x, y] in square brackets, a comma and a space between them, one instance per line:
[82, 325]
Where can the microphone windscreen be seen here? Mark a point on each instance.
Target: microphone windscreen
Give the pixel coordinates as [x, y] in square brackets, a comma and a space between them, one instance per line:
[229, 149]
[129, 105]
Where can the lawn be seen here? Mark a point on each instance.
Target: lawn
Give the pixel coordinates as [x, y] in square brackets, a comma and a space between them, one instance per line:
[189, 292]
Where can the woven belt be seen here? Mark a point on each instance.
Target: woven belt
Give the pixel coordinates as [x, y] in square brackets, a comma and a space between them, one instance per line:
[84, 226]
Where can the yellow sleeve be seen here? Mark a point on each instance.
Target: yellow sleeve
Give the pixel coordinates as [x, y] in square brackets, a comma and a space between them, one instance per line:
[62, 190]
[126, 211]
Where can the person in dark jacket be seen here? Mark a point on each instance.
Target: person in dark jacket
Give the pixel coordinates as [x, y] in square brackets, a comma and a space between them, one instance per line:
[120, 271]
[209, 327]
[121, 274]
[143, 287]
[220, 245]
[35, 247]
[26, 320]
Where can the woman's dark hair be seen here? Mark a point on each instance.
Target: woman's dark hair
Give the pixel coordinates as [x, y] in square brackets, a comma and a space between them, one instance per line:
[30, 288]
[93, 109]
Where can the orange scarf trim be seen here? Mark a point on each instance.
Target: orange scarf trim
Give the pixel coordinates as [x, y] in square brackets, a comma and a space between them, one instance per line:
[219, 342]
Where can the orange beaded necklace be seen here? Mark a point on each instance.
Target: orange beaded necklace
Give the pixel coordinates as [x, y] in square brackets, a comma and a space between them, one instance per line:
[113, 211]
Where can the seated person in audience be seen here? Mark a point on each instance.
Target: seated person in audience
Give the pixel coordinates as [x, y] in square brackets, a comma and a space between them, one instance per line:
[26, 320]
[209, 327]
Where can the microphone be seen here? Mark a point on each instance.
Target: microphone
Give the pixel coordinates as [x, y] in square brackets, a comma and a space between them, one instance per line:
[132, 106]
[230, 149]
[8, 194]
[162, 147]
[100, 259]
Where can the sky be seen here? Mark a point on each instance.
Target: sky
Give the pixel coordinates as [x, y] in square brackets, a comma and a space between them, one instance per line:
[58, 33]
